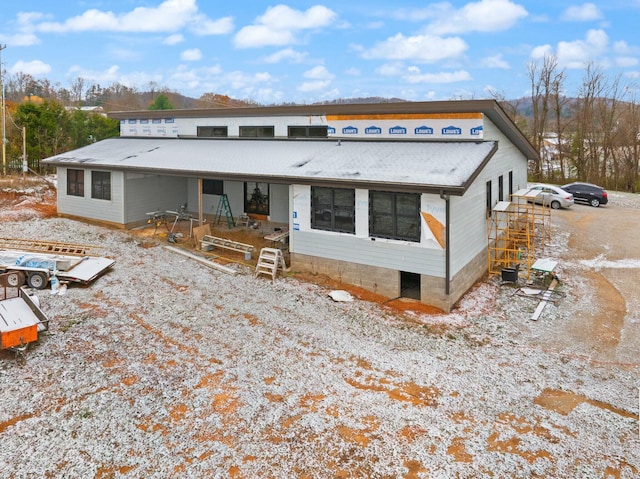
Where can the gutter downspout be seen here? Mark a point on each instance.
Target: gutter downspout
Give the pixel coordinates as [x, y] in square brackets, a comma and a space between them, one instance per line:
[447, 266]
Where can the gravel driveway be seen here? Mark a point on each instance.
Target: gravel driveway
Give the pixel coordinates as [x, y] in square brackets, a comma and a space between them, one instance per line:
[165, 368]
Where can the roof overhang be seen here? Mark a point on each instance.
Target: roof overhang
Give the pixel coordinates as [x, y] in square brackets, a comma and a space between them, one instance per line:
[444, 167]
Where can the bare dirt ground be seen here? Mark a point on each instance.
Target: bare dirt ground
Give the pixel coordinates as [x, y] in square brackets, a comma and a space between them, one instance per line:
[167, 368]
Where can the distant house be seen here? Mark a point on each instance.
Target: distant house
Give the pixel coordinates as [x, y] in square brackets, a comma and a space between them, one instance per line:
[393, 197]
[97, 110]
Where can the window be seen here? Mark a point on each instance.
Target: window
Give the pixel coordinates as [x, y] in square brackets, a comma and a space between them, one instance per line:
[333, 209]
[75, 183]
[256, 198]
[510, 184]
[500, 188]
[101, 185]
[212, 187]
[307, 132]
[394, 215]
[489, 199]
[257, 131]
[212, 131]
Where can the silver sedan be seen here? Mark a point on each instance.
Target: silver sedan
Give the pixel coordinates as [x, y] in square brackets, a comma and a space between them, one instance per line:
[552, 196]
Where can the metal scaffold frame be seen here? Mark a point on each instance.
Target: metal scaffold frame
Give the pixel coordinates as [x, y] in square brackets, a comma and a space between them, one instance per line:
[517, 232]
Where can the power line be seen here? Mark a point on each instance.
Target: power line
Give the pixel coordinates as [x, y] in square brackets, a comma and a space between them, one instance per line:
[4, 130]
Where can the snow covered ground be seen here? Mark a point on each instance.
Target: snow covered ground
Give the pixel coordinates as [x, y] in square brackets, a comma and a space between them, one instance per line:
[167, 368]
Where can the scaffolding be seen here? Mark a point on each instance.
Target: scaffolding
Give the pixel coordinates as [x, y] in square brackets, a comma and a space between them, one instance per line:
[518, 232]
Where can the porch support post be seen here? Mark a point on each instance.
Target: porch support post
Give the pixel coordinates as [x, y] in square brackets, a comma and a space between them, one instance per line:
[200, 212]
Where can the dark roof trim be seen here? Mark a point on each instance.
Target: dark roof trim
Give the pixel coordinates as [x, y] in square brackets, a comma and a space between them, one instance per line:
[478, 170]
[303, 180]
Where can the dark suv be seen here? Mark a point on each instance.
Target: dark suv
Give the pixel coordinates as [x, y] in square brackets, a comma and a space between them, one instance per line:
[588, 193]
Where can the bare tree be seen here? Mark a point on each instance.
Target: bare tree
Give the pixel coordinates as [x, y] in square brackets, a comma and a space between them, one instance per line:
[545, 81]
[77, 90]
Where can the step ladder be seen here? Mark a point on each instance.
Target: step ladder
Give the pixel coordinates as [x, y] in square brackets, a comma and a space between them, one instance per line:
[223, 207]
[48, 247]
[269, 261]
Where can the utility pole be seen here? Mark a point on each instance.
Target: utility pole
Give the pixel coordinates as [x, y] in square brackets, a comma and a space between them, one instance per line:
[4, 129]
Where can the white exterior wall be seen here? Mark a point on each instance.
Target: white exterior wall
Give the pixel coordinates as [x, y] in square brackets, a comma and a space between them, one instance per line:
[189, 126]
[429, 127]
[424, 257]
[87, 207]
[146, 193]
[469, 233]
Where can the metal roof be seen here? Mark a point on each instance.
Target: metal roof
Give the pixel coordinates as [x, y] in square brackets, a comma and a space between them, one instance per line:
[446, 166]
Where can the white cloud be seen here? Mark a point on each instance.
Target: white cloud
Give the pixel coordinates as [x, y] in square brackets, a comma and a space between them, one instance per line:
[495, 61]
[201, 25]
[419, 48]
[261, 35]
[191, 55]
[353, 71]
[482, 16]
[541, 51]
[169, 16]
[442, 77]
[279, 25]
[287, 54]
[23, 39]
[174, 39]
[319, 73]
[314, 85]
[281, 17]
[582, 13]
[391, 69]
[579, 53]
[34, 67]
[626, 62]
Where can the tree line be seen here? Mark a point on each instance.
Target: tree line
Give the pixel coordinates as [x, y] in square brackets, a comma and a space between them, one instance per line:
[592, 136]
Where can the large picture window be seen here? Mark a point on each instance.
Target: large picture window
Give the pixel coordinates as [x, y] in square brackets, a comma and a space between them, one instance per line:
[75, 182]
[333, 209]
[101, 185]
[394, 215]
[256, 198]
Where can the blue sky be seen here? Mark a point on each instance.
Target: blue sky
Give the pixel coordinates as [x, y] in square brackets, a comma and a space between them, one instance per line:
[309, 51]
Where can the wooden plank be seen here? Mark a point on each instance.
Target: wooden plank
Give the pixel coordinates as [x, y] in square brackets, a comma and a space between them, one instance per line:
[204, 261]
[200, 231]
[546, 296]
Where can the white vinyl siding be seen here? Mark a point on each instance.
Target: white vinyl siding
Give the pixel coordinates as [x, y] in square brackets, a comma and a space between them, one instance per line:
[87, 207]
[468, 213]
[147, 193]
[413, 257]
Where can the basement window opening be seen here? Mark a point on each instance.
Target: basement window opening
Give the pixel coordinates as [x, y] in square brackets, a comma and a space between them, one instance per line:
[409, 285]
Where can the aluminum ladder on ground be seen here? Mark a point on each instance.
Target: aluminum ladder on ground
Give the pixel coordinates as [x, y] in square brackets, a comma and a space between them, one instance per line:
[48, 247]
[223, 207]
[269, 261]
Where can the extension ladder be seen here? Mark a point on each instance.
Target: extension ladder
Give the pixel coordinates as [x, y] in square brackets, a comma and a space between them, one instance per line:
[48, 247]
